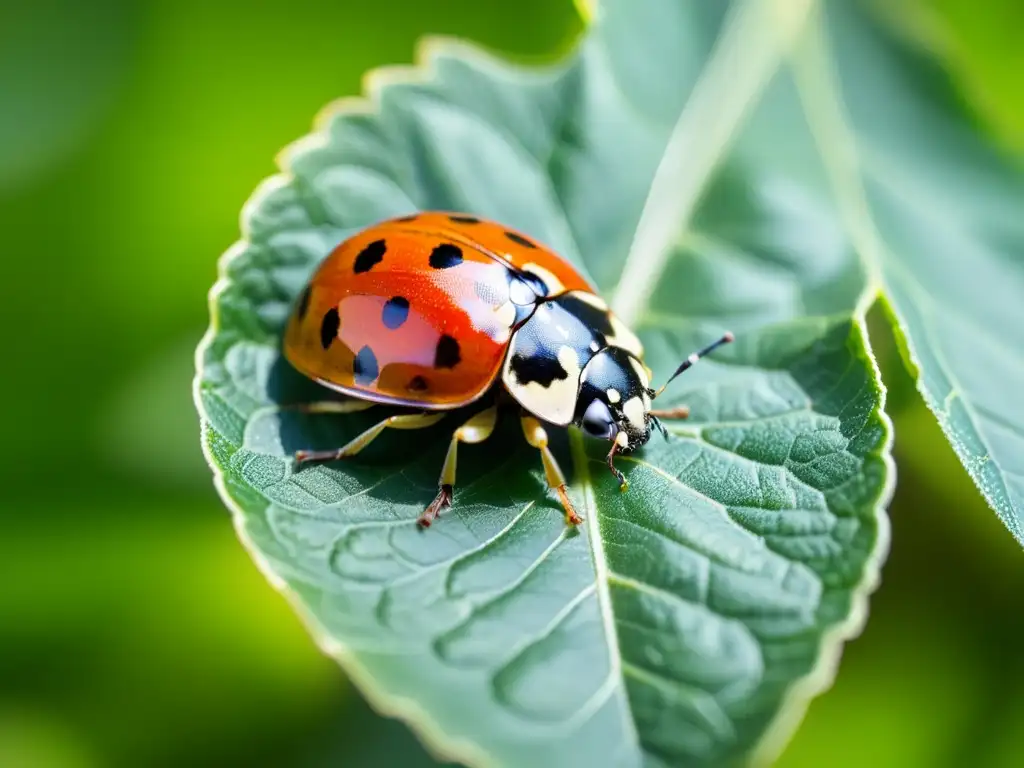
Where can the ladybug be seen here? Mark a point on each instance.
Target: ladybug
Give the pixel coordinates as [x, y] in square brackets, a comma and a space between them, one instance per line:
[437, 310]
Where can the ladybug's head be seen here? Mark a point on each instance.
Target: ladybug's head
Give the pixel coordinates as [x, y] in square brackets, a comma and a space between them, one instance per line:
[614, 400]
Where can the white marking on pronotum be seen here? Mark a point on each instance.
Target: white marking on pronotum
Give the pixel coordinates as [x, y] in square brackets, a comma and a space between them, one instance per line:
[555, 402]
[590, 298]
[622, 439]
[613, 395]
[624, 338]
[633, 409]
[641, 372]
[569, 359]
[553, 283]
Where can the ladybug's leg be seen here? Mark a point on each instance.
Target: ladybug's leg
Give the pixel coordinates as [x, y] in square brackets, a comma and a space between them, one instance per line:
[354, 446]
[679, 412]
[476, 430]
[351, 405]
[538, 438]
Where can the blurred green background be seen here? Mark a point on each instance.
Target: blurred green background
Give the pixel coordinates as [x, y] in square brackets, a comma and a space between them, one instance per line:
[134, 629]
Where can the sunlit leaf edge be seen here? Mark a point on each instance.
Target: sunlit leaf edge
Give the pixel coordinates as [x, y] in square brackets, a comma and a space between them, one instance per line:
[814, 64]
[438, 742]
[803, 691]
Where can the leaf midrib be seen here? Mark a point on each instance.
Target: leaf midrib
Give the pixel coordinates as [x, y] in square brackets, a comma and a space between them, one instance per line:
[750, 47]
[604, 575]
[601, 574]
[648, 259]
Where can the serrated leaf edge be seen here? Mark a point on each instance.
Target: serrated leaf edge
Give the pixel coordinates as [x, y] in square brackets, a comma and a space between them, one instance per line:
[830, 649]
[819, 90]
[440, 744]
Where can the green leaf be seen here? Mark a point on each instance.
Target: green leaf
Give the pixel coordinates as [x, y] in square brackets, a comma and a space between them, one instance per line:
[934, 211]
[690, 619]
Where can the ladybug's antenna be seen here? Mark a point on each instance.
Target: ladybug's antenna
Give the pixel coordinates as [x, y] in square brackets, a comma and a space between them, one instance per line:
[727, 337]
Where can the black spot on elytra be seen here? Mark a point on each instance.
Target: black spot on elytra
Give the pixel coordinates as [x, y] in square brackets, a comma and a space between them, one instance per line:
[304, 302]
[369, 257]
[447, 354]
[539, 368]
[519, 239]
[411, 217]
[446, 256]
[364, 366]
[329, 327]
[594, 318]
[417, 384]
[395, 312]
[465, 219]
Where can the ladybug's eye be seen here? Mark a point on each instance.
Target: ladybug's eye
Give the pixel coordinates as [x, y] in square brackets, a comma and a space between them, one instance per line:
[597, 420]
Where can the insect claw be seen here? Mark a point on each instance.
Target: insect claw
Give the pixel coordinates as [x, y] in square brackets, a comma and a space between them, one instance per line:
[431, 513]
[571, 516]
[623, 483]
[308, 457]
